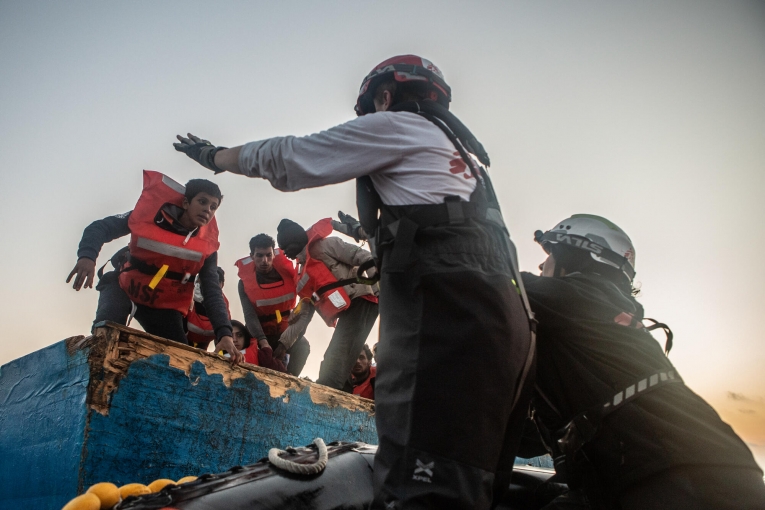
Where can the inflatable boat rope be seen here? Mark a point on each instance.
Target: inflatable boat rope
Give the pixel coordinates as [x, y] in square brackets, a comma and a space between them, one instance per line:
[300, 469]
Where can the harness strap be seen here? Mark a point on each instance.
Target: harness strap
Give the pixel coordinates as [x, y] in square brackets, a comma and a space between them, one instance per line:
[272, 316]
[660, 325]
[143, 267]
[369, 264]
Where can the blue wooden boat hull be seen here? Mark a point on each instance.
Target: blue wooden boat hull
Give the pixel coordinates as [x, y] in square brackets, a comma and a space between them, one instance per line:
[123, 406]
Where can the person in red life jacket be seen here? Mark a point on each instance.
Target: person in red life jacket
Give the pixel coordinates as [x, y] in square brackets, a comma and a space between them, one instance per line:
[174, 237]
[351, 308]
[260, 355]
[363, 375]
[199, 329]
[611, 408]
[448, 278]
[268, 296]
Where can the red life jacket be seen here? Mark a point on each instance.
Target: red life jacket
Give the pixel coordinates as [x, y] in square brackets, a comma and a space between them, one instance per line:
[251, 353]
[200, 330]
[267, 299]
[152, 247]
[365, 389]
[314, 274]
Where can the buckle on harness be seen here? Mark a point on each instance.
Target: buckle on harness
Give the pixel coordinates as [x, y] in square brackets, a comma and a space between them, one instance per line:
[454, 210]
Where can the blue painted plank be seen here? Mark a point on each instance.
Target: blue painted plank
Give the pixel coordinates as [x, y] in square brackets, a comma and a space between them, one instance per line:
[163, 423]
[43, 420]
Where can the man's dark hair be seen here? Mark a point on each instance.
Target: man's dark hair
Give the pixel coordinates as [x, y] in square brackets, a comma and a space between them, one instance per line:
[221, 275]
[368, 352]
[196, 186]
[405, 91]
[261, 241]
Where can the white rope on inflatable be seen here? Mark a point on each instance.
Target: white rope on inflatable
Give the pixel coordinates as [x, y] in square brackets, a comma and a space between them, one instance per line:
[300, 469]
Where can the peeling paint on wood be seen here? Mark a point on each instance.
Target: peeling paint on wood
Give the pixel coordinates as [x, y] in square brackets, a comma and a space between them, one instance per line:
[150, 408]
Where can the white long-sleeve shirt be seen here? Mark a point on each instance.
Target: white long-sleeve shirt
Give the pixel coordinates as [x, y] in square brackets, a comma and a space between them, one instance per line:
[409, 159]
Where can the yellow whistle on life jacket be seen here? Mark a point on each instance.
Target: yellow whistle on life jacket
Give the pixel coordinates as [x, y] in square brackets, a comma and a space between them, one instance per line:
[158, 277]
[278, 317]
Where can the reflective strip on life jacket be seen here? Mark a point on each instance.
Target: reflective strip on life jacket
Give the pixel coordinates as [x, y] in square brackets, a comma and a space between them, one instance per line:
[275, 300]
[303, 280]
[271, 300]
[175, 186]
[199, 331]
[169, 249]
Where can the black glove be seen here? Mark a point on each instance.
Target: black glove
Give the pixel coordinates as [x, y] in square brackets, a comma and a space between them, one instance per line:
[354, 227]
[201, 151]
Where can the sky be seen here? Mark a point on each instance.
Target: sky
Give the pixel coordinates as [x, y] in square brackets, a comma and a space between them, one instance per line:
[650, 113]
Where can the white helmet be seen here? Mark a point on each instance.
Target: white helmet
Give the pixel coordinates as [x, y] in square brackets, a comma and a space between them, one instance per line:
[606, 242]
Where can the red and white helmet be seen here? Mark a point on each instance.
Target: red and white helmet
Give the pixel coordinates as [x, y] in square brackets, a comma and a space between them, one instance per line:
[403, 68]
[607, 243]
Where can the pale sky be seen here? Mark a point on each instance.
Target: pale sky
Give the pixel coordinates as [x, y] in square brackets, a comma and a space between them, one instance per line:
[650, 113]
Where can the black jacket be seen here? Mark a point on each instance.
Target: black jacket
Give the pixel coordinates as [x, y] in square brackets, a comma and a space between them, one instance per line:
[585, 357]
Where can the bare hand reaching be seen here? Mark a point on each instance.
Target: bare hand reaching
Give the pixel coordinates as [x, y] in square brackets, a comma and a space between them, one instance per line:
[85, 269]
[227, 344]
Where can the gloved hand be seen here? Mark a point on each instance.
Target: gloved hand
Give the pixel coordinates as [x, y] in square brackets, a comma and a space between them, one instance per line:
[354, 226]
[201, 151]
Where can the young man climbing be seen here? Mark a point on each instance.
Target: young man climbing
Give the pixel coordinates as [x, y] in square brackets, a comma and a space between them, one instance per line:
[173, 237]
[325, 264]
[268, 296]
[448, 280]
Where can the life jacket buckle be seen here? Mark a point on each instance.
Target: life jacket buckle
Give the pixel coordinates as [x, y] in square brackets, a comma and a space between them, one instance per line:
[186, 278]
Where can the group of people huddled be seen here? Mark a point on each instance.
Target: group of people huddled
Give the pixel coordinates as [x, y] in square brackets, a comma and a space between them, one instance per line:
[168, 279]
[471, 350]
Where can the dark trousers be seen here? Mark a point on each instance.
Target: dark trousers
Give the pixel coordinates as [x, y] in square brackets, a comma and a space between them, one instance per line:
[165, 323]
[454, 341]
[298, 353]
[115, 305]
[351, 332]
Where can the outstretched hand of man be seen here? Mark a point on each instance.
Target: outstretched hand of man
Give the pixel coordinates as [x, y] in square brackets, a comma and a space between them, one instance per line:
[201, 151]
[226, 343]
[85, 269]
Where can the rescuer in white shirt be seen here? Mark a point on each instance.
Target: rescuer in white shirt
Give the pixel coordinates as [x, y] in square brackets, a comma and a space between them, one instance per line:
[456, 355]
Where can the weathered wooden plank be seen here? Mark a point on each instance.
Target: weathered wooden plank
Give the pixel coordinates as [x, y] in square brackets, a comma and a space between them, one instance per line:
[124, 406]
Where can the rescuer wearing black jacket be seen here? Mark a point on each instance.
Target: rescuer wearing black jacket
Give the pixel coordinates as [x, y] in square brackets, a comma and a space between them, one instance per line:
[609, 403]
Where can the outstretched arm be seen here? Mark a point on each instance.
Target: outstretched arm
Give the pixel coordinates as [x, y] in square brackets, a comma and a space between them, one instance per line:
[94, 237]
[367, 144]
[299, 321]
[215, 306]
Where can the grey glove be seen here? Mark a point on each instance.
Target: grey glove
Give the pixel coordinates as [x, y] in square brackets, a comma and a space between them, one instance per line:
[354, 228]
[201, 151]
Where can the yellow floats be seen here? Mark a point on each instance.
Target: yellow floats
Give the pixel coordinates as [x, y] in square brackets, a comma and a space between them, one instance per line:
[104, 495]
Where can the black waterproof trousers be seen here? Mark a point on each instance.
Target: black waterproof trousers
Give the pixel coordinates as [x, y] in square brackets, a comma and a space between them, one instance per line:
[454, 340]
